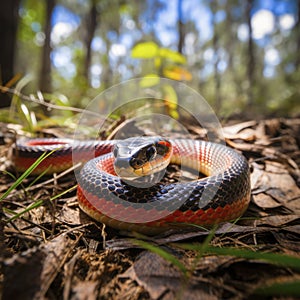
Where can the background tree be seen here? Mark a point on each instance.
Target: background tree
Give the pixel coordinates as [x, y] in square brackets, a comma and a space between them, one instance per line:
[216, 59]
[8, 33]
[251, 55]
[180, 27]
[45, 78]
[233, 65]
[91, 25]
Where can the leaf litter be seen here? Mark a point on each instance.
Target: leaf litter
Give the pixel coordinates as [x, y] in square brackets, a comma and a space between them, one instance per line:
[56, 252]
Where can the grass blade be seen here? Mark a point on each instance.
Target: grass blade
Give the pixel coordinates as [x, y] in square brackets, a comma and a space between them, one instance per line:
[273, 258]
[38, 204]
[26, 174]
[288, 288]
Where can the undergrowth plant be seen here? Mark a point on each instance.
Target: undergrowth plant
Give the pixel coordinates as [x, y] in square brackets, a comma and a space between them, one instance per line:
[284, 288]
[20, 180]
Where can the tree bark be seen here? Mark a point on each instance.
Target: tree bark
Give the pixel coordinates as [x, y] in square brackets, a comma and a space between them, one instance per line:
[91, 28]
[297, 36]
[45, 84]
[230, 36]
[8, 33]
[180, 27]
[215, 41]
[251, 57]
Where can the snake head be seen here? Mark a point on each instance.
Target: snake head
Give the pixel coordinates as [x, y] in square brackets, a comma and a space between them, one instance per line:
[141, 156]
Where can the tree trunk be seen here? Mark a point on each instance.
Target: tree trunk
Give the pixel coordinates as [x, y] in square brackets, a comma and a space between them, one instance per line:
[91, 28]
[180, 27]
[8, 33]
[230, 36]
[45, 84]
[297, 37]
[251, 58]
[215, 41]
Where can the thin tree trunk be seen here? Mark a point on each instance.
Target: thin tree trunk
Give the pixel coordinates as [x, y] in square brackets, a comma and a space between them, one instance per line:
[251, 58]
[217, 79]
[180, 27]
[91, 28]
[45, 84]
[8, 34]
[230, 41]
[297, 37]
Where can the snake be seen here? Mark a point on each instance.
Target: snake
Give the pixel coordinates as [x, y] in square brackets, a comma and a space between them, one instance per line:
[121, 183]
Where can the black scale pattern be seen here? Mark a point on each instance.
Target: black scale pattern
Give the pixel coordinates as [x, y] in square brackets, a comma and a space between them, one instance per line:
[225, 186]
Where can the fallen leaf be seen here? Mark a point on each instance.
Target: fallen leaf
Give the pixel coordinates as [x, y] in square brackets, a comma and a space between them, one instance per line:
[265, 201]
[234, 129]
[171, 237]
[163, 281]
[277, 221]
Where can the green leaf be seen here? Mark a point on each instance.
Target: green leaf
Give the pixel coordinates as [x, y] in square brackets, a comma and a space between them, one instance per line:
[172, 55]
[177, 73]
[37, 204]
[145, 50]
[28, 117]
[149, 80]
[5, 116]
[273, 258]
[287, 288]
[170, 96]
[16, 99]
[25, 174]
[58, 99]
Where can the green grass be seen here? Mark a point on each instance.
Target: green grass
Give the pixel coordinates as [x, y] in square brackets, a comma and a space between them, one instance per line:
[272, 258]
[19, 181]
[25, 175]
[37, 204]
[289, 287]
[286, 288]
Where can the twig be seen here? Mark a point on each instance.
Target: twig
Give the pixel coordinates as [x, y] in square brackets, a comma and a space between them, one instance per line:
[39, 99]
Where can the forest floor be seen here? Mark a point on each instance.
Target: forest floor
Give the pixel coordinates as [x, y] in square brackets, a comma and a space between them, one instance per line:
[55, 251]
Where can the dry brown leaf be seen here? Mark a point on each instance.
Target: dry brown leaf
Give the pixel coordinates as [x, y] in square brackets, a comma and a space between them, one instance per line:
[236, 128]
[171, 237]
[289, 242]
[163, 281]
[293, 229]
[256, 178]
[246, 147]
[69, 215]
[265, 201]
[277, 221]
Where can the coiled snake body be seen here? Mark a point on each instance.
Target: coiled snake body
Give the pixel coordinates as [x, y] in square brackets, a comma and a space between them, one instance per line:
[149, 206]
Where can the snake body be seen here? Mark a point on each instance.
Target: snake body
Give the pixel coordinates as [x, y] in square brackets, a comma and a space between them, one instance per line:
[223, 195]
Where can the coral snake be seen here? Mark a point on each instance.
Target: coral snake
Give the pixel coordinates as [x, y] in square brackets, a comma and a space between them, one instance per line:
[121, 184]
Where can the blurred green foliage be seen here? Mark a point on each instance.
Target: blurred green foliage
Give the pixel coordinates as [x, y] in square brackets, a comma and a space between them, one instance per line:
[129, 41]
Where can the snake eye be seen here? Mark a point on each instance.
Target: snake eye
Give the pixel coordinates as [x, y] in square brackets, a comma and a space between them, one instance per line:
[136, 163]
[150, 153]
